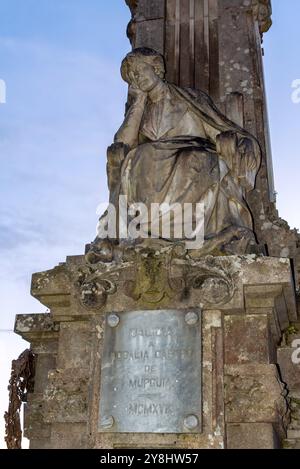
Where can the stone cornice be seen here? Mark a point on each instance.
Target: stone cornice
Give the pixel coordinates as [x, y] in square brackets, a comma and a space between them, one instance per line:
[262, 13]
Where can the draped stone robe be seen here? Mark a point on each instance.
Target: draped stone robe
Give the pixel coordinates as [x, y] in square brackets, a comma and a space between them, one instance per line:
[182, 158]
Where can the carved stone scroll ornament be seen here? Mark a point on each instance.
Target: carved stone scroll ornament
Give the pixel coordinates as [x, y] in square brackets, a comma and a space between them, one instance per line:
[175, 146]
[152, 276]
[159, 276]
[94, 288]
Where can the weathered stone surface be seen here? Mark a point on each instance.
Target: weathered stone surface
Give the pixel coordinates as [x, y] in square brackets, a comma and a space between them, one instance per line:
[44, 363]
[248, 340]
[34, 419]
[254, 393]
[147, 279]
[295, 412]
[290, 371]
[43, 333]
[291, 334]
[150, 9]
[262, 10]
[72, 436]
[69, 372]
[44, 283]
[37, 325]
[291, 444]
[76, 348]
[150, 35]
[40, 443]
[66, 396]
[252, 436]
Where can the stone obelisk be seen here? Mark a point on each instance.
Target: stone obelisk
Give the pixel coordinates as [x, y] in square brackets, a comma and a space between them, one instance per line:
[154, 346]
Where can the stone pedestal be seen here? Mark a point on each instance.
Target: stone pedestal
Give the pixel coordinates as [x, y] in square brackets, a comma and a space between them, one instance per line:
[245, 303]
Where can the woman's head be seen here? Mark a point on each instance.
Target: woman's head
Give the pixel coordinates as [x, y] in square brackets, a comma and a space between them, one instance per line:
[143, 68]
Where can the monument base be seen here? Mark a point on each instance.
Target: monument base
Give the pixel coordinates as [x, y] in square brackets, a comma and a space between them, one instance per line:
[162, 351]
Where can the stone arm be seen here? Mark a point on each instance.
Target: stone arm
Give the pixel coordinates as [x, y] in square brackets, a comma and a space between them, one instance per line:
[125, 139]
[129, 130]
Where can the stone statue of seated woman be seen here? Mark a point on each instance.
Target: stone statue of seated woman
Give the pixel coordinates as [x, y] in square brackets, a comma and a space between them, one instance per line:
[175, 147]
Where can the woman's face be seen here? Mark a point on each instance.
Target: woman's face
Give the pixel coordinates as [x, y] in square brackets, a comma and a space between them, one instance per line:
[143, 76]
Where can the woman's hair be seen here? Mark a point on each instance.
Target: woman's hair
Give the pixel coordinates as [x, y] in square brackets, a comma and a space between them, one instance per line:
[146, 55]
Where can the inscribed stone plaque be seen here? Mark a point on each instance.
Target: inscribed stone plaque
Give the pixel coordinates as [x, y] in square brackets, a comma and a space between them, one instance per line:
[151, 372]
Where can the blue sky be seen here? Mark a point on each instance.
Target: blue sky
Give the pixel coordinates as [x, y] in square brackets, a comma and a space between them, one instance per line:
[60, 60]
